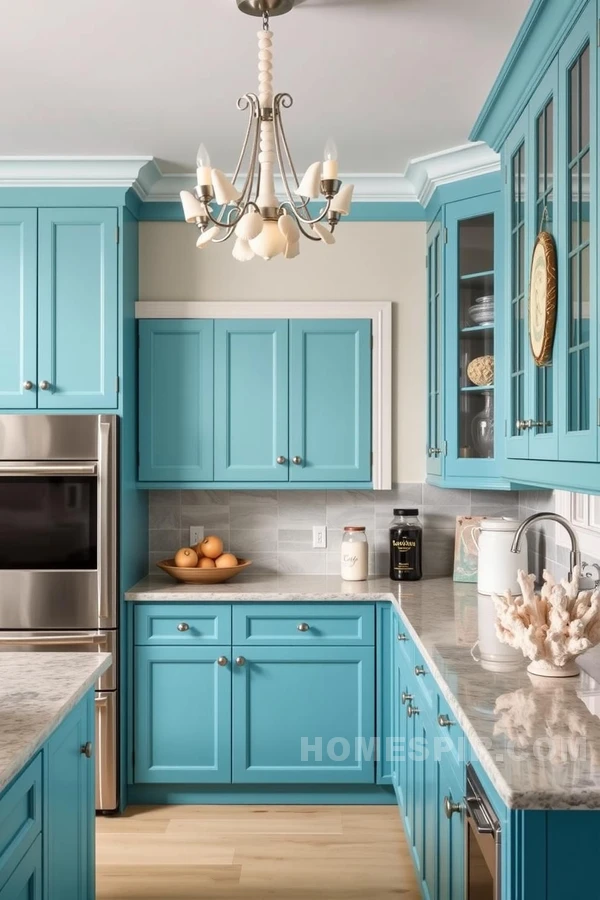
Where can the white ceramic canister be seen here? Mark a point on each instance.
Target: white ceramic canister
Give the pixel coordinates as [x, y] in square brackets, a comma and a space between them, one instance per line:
[355, 554]
[489, 650]
[498, 566]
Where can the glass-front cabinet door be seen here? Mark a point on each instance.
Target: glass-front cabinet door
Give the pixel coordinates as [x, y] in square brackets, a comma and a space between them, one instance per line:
[578, 322]
[472, 368]
[435, 435]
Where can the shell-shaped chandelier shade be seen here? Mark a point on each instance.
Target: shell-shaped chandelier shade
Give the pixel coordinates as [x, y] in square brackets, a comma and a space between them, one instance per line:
[264, 225]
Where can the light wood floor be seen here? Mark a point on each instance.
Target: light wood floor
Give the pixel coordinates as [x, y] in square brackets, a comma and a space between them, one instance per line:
[254, 853]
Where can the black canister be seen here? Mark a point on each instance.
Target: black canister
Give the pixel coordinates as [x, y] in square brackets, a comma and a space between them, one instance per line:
[406, 538]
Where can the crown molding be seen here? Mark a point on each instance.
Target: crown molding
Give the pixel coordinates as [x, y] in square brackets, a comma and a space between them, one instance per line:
[144, 175]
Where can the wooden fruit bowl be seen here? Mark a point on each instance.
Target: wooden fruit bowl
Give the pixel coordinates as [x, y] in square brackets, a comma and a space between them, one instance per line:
[202, 576]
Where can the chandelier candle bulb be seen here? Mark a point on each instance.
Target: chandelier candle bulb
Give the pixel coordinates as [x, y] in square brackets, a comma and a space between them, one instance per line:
[330, 166]
[203, 170]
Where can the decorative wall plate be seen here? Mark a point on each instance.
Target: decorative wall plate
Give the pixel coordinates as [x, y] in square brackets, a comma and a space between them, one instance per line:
[542, 298]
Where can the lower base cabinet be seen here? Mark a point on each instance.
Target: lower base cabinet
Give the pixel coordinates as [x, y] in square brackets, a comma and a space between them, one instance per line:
[47, 817]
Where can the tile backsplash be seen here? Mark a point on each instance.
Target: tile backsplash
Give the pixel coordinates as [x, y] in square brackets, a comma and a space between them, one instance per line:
[274, 528]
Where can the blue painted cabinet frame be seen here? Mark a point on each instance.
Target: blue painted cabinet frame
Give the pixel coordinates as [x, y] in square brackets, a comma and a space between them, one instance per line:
[435, 345]
[18, 302]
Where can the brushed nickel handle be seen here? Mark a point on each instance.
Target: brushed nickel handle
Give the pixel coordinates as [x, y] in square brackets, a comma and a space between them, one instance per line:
[419, 670]
[444, 721]
[412, 711]
[533, 424]
[222, 660]
[297, 460]
[303, 626]
[523, 424]
[241, 660]
[434, 451]
[44, 385]
[402, 637]
[405, 697]
[28, 385]
[281, 460]
[86, 749]
[183, 626]
[450, 808]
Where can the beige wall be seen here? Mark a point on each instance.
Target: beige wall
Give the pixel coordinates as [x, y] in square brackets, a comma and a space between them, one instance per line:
[371, 261]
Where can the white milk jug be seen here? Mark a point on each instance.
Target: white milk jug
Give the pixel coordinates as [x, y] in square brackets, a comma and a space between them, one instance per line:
[498, 567]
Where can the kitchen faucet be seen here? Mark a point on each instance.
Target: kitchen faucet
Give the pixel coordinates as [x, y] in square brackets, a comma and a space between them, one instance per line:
[575, 555]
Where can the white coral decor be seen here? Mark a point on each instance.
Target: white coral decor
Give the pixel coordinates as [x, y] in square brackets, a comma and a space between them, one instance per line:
[551, 628]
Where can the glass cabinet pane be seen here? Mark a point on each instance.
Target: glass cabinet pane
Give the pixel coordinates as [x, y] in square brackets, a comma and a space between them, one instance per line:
[476, 336]
[517, 290]
[434, 290]
[578, 270]
[544, 212]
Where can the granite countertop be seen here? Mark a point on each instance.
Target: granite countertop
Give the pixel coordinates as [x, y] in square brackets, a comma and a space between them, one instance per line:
[38, 691]
[537, 738]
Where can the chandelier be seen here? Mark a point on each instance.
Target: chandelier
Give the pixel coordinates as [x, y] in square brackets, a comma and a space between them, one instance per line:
[263, 225]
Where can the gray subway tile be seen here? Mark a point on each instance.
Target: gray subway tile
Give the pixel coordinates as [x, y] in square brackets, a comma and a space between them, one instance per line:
[309, 562]
[205, 498]
[258, 539]
[208, 516]
[164, 539]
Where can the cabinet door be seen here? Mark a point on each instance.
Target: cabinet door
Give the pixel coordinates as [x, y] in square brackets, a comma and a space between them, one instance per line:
[182, 718]
[303, 716]
[77, 308]
[69, 831]
[25, 883]
[330, 400]
[176, 400]
[451, 851]
[18, 301]
[517, 225]
[251, 400]
[435, 433]
[385, 690]
[577, 281]
[425, 802]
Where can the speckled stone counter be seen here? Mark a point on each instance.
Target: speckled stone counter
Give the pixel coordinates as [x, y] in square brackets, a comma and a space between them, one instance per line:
[38, 691]
[537, 738]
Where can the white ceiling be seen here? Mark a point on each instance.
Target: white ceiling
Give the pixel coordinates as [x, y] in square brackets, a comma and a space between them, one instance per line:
[389, 79]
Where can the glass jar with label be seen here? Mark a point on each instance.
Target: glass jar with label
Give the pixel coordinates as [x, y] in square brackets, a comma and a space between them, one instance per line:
[406, 537]
[355, 554]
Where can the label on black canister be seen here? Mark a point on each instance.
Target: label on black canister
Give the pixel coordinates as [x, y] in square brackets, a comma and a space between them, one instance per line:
[405, 554]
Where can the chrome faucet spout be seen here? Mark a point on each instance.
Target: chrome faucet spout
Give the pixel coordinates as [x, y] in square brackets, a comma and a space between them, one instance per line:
[575, 555]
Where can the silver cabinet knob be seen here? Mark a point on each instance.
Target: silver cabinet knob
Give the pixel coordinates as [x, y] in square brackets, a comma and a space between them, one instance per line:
[444, 721]
[44, 385]
[450, 808]
[222, 660]
[522, 424]
[183, 626]
[405, 697]
[297, 460]
[241, 660]
[303, 626]
[281, 460]
[402, 637]
[412, 711]
[28, 385]
[434, 451]
[419, 670]
[86, 749]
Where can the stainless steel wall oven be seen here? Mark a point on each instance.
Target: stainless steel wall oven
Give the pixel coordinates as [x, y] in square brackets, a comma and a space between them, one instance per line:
[58, 553]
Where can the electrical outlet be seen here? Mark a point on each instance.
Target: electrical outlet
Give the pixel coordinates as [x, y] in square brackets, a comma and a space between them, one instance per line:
[196, 534]
[320, 536]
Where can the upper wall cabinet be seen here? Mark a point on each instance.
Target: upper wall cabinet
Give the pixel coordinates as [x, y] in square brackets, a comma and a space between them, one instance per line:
[292, 402]
[59, 294]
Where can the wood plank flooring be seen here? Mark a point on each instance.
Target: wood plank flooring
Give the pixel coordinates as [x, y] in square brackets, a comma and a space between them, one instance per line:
[254, 853]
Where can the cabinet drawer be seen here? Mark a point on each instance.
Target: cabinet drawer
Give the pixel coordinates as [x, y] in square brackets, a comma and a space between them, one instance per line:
[423, 681]
[182, 623]
[449, 729]
[405, 646]
[20, 816]
[304, 624]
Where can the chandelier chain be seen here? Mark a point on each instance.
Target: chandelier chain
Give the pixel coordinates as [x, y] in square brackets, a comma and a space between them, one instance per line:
[265, 21]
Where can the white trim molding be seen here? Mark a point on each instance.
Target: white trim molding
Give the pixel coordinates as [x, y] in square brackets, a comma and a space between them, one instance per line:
[583, 512]
[380, 313]
[151, 184]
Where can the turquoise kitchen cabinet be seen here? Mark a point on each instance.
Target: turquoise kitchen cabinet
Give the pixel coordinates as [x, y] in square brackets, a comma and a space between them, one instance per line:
[247, 402]
[18, 301]
[303, 716]
[435, 324]
[70, 807]
[77, 309]
[251, 400]
[385, 674]
[451, 835]
[182, 727]
[176, 400]
[425, 778]
[26, 881]
[330, 400]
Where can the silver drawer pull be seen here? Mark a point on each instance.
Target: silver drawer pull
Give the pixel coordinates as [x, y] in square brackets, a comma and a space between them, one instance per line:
[406, 697]
[222, 660]
[28, 385]
[303, 626]
[87, 749]
[45, 385]
[419, 670]
[412, 711]
[444, 721]
[241, 660]
[183, 626]
[281, 460]
[450, 808]
[402, 637]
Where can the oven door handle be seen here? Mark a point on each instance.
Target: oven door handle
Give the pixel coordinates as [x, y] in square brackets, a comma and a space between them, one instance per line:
[103, 501]
[53, 640]
[44, 470]
[476, 811]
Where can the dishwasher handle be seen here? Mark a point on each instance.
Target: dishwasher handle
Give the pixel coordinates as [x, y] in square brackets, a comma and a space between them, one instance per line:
[56, 640]
[476, 811]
